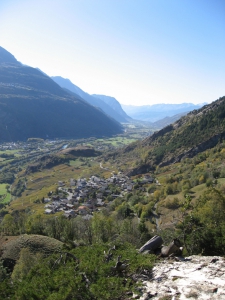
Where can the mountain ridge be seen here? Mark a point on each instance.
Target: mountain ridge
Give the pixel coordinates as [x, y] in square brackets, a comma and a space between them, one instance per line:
[33, 105]
[92, 99]
[116, 106]
[156, 112]
[7, 57]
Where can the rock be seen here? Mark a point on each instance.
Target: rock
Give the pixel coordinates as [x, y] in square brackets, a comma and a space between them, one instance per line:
[152, 244]
[194, 277]
[174, 248]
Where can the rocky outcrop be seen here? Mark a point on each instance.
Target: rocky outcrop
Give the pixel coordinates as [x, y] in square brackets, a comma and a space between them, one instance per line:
[194, 277]
[174, 248]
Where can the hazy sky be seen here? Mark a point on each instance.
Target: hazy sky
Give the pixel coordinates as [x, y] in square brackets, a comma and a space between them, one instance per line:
[138, 51]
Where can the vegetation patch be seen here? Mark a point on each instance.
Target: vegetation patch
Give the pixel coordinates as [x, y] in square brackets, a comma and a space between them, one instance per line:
[4, 194]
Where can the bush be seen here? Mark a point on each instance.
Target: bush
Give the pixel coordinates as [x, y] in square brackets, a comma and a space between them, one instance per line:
[172, 204]
[89, 278]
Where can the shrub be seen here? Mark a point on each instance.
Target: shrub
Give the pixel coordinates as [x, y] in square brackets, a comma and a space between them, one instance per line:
[172, 203]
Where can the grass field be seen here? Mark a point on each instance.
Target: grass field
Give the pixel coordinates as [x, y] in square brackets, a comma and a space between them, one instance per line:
[116, 141]
[4, 195]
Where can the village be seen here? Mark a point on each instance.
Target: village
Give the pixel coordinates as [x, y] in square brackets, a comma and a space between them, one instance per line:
[83, 197]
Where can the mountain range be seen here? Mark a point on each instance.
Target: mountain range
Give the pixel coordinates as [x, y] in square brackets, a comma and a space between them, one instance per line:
[33, 105]
[156, 112]
[108, 105]
[157, 116]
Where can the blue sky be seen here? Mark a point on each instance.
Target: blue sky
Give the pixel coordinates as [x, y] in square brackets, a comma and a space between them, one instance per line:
[138, 51]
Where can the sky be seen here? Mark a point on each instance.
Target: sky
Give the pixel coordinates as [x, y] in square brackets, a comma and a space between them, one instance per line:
[141, 52]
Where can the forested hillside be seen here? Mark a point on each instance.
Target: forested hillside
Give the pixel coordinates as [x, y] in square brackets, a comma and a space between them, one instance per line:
[198, 131]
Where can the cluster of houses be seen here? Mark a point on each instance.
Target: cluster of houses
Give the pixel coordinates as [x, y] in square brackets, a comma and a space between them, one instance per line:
[83, 197]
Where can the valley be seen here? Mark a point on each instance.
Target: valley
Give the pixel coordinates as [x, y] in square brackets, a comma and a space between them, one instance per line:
[81, 180]
[42, 168]
[94, 194]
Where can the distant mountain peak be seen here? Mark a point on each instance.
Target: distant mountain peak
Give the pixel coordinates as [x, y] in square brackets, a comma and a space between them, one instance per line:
[7, 57]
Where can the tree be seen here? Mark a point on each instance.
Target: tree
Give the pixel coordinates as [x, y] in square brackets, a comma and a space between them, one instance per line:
[203, 226]
[8, 225]
[24, 264]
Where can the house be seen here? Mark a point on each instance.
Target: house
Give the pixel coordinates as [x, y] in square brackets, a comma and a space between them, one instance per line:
[48, 206]
[69, 213]
[72, 182]
[69, 206]
[83, 210]
[46, 200]
[149, 178]
[75, 195]
[99, 195]
[64, 200]
[100, 203]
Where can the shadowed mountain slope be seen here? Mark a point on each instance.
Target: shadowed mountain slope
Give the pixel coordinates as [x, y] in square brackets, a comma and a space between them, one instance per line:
[116, 112]
[33, 105]
[115, 105]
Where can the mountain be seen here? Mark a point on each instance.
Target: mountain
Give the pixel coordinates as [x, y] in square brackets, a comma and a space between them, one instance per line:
[167, 120]
[33, 105]
[153, 113]
[196, 132]
[6, 57]
[116, 113]
[115, 105]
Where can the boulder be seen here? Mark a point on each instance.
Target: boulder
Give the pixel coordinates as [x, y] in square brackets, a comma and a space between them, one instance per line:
[174, 248]
[152, 245]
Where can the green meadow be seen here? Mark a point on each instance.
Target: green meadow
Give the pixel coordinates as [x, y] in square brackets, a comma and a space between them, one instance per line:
[4, 195]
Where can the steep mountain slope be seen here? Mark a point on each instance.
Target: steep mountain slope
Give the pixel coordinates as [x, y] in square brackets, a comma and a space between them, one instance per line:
[6, 57]
[95, 101]
[111, 101]
[194, 133]
[33, 105]
[153, 113]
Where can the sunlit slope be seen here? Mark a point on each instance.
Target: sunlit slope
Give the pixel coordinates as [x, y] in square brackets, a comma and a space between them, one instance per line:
[198, 131]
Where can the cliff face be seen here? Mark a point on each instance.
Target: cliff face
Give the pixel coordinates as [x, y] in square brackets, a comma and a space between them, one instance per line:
[194, 277]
